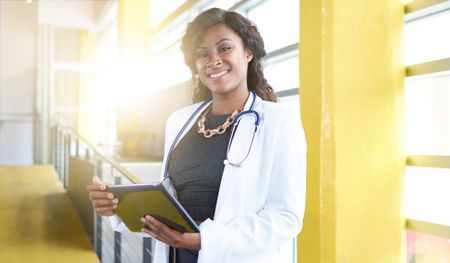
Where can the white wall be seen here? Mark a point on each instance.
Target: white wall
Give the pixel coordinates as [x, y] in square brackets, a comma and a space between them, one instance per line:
[71, 14]
[18, 36]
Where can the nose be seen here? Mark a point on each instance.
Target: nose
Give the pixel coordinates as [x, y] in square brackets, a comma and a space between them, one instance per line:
[214, 61]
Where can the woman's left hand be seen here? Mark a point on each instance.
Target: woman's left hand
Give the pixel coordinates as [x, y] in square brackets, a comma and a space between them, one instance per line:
[169, 236]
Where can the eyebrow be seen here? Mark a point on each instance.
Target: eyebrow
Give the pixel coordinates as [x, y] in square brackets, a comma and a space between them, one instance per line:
[222, 40]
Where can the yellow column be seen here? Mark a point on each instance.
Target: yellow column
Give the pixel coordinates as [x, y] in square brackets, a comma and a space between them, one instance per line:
[134, 29]
[352, 109]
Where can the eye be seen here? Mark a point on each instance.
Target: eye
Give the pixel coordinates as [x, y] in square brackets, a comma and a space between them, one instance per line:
[224, 49]
[202, 54]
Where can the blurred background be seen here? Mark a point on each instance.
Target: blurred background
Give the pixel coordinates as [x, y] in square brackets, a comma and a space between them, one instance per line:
[94, 81]
[113, 70]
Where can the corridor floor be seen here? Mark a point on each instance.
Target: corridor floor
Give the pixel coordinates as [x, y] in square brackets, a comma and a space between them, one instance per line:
[38, 223]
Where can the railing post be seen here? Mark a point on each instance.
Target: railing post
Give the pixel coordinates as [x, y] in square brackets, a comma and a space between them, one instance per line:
[60, 154]
[147, 257]
[57, 151]
[53, 140]
[117, 235]
[98, 218]
[77, 147]
[67, 140]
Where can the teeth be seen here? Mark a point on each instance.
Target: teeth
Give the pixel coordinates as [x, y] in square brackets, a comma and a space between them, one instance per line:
[216, 75]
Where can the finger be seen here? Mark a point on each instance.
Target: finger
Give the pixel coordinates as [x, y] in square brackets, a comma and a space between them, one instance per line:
[96, 187]
[105, 211]
[101, 195]
[151, 233]
[153, 224]
[157, 235]
[163, 231]
[104, 202]
[96, 180]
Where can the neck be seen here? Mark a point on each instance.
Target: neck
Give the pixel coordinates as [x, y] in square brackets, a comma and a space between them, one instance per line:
[226, 104]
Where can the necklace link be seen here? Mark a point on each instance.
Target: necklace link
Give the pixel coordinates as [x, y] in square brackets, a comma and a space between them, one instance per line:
[221, 129]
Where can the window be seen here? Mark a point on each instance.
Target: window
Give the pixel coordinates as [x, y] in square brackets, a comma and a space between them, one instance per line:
[281, 65]
[423, 44]
[160, 10]
[427, 127]
[282, 13]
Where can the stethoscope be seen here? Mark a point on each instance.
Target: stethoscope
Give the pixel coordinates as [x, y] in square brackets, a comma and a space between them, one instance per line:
[236, 122]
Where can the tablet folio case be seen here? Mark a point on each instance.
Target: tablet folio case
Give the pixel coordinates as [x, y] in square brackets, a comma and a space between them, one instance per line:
[139, 200]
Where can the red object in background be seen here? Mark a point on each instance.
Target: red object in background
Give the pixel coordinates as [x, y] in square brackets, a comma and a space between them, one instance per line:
[424, 248]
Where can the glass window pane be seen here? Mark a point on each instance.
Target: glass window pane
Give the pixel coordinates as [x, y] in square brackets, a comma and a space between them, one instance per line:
[284, 74]
[427, 38]
[66, 44]
[271, 16]
[424, 248]
[66, 88]
[426, 194]
[168, 69]
[427, 102]
[224, 4]
[159, 10]
[292, 102]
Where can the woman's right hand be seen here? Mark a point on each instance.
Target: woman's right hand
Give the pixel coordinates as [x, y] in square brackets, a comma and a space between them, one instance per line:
[104, 202]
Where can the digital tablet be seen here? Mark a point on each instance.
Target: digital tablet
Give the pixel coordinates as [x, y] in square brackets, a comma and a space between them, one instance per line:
[138, 200]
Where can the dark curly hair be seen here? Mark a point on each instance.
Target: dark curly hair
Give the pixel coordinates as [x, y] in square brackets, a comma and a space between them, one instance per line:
[250, 37]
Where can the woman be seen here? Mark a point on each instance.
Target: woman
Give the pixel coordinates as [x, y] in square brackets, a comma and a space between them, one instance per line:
[250, 206]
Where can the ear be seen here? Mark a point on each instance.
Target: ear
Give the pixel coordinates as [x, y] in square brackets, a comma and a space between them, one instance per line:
[248, 55]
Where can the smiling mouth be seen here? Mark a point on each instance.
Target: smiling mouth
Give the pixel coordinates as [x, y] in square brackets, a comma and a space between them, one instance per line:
[217, 75]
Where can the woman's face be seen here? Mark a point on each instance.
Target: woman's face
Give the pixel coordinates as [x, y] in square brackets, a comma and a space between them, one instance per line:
[222, 61]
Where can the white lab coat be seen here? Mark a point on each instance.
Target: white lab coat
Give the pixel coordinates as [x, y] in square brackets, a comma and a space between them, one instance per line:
[260, 205]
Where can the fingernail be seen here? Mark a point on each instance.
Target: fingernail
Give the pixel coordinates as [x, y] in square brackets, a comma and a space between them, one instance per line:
[115, 201]
[148, 217]
[110, 196]
[102, 187]
[114, 206]
[143, 220]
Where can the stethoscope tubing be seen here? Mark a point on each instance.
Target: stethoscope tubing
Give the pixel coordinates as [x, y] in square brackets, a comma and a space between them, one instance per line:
[236, 122]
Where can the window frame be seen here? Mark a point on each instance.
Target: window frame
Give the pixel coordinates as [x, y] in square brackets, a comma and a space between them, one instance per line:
[419, 9]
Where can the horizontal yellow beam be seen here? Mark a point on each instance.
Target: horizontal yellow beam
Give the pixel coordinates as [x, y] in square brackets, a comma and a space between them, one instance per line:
[428, 67]
[436, 161]
[421, 4]
[428, 228]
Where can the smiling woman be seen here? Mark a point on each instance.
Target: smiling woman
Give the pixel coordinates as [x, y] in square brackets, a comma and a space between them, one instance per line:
[240, 42]
[240, 172]
[222, 62]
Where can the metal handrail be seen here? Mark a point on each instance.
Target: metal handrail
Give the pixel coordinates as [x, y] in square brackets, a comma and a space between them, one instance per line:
[134, 179]
[428, 228]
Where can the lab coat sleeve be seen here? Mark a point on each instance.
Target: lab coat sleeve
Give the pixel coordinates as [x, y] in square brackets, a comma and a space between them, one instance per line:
[118, 226]
[116, 223]
[281, 218]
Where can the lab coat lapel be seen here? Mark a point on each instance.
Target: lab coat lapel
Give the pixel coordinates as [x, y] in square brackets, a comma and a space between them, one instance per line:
[231, 175]
[189, 126]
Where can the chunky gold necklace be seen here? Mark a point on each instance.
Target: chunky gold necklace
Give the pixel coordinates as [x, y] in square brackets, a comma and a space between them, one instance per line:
[208, 133]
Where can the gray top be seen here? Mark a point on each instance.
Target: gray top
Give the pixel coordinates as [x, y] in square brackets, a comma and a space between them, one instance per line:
[195, 169]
